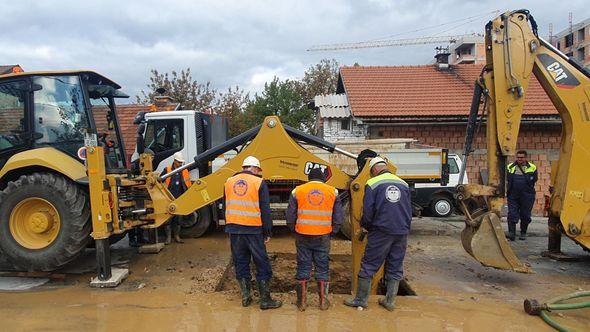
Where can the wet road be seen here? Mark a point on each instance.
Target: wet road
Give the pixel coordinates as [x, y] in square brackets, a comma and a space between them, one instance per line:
[176, 291]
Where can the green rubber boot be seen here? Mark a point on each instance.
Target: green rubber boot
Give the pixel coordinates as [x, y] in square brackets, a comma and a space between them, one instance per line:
[388, 302]
[362, 294]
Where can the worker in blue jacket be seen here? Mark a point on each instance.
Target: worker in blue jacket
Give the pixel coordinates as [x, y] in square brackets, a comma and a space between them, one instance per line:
[387, 214]
[522, 176]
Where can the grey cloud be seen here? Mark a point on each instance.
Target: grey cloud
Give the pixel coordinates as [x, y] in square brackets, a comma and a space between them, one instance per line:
[232, 42]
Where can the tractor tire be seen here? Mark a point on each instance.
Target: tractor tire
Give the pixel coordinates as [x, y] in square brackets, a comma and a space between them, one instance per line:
[44, 222]
[196, 224]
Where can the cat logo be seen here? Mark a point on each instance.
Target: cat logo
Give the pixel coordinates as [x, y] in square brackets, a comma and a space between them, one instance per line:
[324, 168]
[562, 77]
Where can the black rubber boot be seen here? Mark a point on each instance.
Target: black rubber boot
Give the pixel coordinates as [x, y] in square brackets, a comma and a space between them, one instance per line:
[388, 302]
[301, 289]
[168, 231]
[245, 288]
[523, 229]
[266, 302]
[511, 231]
[323, 288]
[362, 294]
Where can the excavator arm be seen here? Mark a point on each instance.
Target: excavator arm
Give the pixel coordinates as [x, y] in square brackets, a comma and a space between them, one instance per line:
[514, 52]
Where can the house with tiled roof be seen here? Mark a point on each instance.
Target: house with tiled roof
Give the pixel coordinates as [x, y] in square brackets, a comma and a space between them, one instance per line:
[430, 103]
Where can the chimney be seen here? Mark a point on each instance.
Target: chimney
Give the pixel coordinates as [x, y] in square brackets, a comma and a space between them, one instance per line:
[442, 58]
[162, 101]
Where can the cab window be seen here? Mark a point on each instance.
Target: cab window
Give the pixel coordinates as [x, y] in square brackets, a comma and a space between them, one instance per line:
[12, 114]
[164, 135]
[453, 167]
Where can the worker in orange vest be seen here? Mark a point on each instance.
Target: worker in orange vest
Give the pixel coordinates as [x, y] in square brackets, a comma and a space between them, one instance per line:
[314, 213]
[249, 224]
[177, 185]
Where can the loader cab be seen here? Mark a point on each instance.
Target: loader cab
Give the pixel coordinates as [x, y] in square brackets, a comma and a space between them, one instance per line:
[57, 109]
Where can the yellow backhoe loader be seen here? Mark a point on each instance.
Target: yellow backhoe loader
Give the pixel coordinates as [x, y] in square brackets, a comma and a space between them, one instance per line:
[514, 51]
[63, 178]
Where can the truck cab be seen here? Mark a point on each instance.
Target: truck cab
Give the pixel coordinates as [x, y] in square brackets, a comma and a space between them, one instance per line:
[190, 132]
[438, 199]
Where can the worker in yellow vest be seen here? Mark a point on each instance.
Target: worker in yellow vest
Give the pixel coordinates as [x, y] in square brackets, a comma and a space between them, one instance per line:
[249, 225]
[314, 213]
[177, 185]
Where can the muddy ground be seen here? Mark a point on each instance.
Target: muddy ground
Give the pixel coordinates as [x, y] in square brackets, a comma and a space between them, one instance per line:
[188, 287]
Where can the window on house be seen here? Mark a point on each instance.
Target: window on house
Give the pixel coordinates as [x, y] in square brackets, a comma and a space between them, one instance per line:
[345, 124]
[559, 45]
[581, 53]
[581, 34]
[570, 54]
[569, 40]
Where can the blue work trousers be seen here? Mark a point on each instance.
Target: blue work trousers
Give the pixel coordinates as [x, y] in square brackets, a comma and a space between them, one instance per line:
[381, 248]
[520, 205]
[246, 247]
[313, 249]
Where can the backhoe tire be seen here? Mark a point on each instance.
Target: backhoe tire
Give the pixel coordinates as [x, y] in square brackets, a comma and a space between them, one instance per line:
[44, 222]
[197, 224]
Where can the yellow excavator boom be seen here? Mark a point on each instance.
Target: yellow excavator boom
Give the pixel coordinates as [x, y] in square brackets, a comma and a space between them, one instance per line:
[514, 52]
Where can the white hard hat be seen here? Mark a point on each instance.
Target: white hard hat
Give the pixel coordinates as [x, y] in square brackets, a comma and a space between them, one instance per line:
[251, 161]
[178, 157]
[376, 161]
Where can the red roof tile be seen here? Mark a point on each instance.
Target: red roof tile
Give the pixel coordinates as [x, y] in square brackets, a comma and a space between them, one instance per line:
[423, 91]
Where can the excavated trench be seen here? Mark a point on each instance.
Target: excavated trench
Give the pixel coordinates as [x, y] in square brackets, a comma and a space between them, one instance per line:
[283, 281]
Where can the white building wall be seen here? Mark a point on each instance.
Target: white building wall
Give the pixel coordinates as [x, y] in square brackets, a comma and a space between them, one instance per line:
[333, 131]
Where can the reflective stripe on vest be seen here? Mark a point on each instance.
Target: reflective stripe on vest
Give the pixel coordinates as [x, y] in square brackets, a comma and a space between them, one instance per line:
[186, 176]
[530, 168]
[242, 206]
[315, 202]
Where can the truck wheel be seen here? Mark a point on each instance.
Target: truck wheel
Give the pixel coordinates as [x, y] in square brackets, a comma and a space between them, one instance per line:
[44, 221]
[441, 206]
[196, 224]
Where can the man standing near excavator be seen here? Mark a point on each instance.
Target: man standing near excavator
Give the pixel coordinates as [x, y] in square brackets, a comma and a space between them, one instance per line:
[522, 176]
[249, 224]
[387, 215]
[314, 213]
[177, 185]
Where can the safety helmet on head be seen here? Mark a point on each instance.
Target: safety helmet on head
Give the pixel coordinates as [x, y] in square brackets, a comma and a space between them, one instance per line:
[251, 161]
[375, 161]
[178, 157]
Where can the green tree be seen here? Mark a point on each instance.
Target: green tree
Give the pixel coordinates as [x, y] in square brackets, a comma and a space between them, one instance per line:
[281, 98]
[232, 105]
[191, 94]
[319, 79]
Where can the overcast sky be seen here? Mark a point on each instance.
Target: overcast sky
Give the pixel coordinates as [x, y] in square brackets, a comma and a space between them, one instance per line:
[238, 42]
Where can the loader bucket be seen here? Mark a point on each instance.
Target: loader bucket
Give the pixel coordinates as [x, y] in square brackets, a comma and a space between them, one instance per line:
[488, 245]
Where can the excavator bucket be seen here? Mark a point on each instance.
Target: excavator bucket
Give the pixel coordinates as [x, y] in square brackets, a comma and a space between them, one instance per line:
[488, 245]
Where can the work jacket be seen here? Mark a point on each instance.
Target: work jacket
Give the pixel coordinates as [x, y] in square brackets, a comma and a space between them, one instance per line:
[521, 183]
[242, 203]
[178, 183]
[387, 205]
[315, 202]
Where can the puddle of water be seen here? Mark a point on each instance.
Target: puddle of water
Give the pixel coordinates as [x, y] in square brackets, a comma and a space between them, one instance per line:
[20, 283]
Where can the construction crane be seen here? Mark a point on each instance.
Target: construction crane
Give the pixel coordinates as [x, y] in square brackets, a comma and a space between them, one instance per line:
[390, 43]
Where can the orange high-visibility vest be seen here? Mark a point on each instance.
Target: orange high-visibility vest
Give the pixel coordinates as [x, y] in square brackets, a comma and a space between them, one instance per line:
[186, 176]
[315, 203]
[242, 205]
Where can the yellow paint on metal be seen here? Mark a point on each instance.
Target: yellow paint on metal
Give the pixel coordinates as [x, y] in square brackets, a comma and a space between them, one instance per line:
[34, 223]
[46, 157]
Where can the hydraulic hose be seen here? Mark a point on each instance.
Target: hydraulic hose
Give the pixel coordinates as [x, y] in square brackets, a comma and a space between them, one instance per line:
[533, 307]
